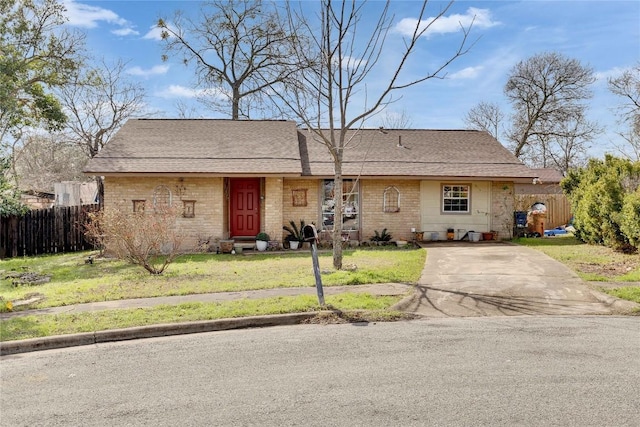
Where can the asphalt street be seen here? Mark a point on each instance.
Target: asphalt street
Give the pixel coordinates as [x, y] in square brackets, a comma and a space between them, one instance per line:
[486, 371]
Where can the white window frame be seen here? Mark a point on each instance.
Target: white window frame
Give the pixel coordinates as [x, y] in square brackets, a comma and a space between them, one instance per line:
[455, 192]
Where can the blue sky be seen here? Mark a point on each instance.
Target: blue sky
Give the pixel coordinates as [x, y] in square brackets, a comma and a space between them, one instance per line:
[604, 35]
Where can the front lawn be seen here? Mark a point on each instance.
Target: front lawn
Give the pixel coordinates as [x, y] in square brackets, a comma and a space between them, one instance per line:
[72, 281]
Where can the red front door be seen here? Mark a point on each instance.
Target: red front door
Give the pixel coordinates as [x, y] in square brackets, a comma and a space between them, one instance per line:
[245, 207]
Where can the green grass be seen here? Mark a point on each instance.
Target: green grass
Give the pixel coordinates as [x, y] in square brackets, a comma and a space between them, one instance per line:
[74, 282]
[631, 293]
[18, 328]
[593, 263]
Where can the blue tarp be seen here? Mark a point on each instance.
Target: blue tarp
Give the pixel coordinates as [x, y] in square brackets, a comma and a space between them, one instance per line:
[555, 232]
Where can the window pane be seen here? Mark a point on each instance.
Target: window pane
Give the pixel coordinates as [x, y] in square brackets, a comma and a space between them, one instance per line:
[327, 205]
[350, 205]
[455, 198]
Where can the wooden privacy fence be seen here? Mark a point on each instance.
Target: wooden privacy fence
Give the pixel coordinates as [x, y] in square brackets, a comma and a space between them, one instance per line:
[558, 207]
[45, 231]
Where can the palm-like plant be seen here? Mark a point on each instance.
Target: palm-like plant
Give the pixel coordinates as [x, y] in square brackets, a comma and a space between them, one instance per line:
[381, 237]
[295, 233]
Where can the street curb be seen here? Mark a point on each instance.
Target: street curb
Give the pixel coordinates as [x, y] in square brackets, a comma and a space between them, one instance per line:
[406, 302]
[620, 306]
[151, 331]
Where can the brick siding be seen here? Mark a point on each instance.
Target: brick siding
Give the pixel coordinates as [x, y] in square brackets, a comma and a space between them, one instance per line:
[277, 204]
[208, 193]
[398, 224]
[502, 207]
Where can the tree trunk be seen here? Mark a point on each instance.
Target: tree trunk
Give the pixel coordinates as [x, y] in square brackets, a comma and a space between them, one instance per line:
[337, 215]
[235, 104]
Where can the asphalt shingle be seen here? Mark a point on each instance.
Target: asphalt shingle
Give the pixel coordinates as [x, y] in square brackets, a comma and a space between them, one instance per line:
[227, 147]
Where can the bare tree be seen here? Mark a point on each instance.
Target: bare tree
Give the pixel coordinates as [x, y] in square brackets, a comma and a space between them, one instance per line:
[98, 102]
[325, 98]
[630, 149]
[627, 86]
[562, 150]
[393, 120]
[186, 111]
[240, 49]
[546, 91]
[47, 158]
[486, 116]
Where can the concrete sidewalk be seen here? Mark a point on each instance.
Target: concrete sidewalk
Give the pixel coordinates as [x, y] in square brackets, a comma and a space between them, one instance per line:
[382, 289]
[502, 279]
[89, 338]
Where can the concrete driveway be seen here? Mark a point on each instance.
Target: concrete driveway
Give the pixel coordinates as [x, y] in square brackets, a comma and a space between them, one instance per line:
[463, 279]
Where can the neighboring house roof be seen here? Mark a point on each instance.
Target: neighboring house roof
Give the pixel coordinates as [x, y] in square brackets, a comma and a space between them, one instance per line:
[39, 194]
[549, 175]
[180, 146]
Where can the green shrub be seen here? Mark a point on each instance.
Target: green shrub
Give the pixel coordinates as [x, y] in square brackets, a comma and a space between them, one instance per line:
[263, 237]
[630, 218]
[597, 194]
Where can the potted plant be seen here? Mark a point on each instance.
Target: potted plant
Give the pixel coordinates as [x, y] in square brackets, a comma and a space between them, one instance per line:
[262, 241]
[296, 236]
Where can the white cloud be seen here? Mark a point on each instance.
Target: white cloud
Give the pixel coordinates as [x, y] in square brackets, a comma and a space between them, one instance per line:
[125, 32]
[155, 33]
[155, 70]
[467, 73]
[86, 16]
[350, 63]
[479, 18]
[178, 91]
[606, 74]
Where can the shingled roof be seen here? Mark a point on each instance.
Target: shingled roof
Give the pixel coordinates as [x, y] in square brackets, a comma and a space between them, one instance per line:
[548, 175]
[204, 146]
[416, 153]
[264, 147]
